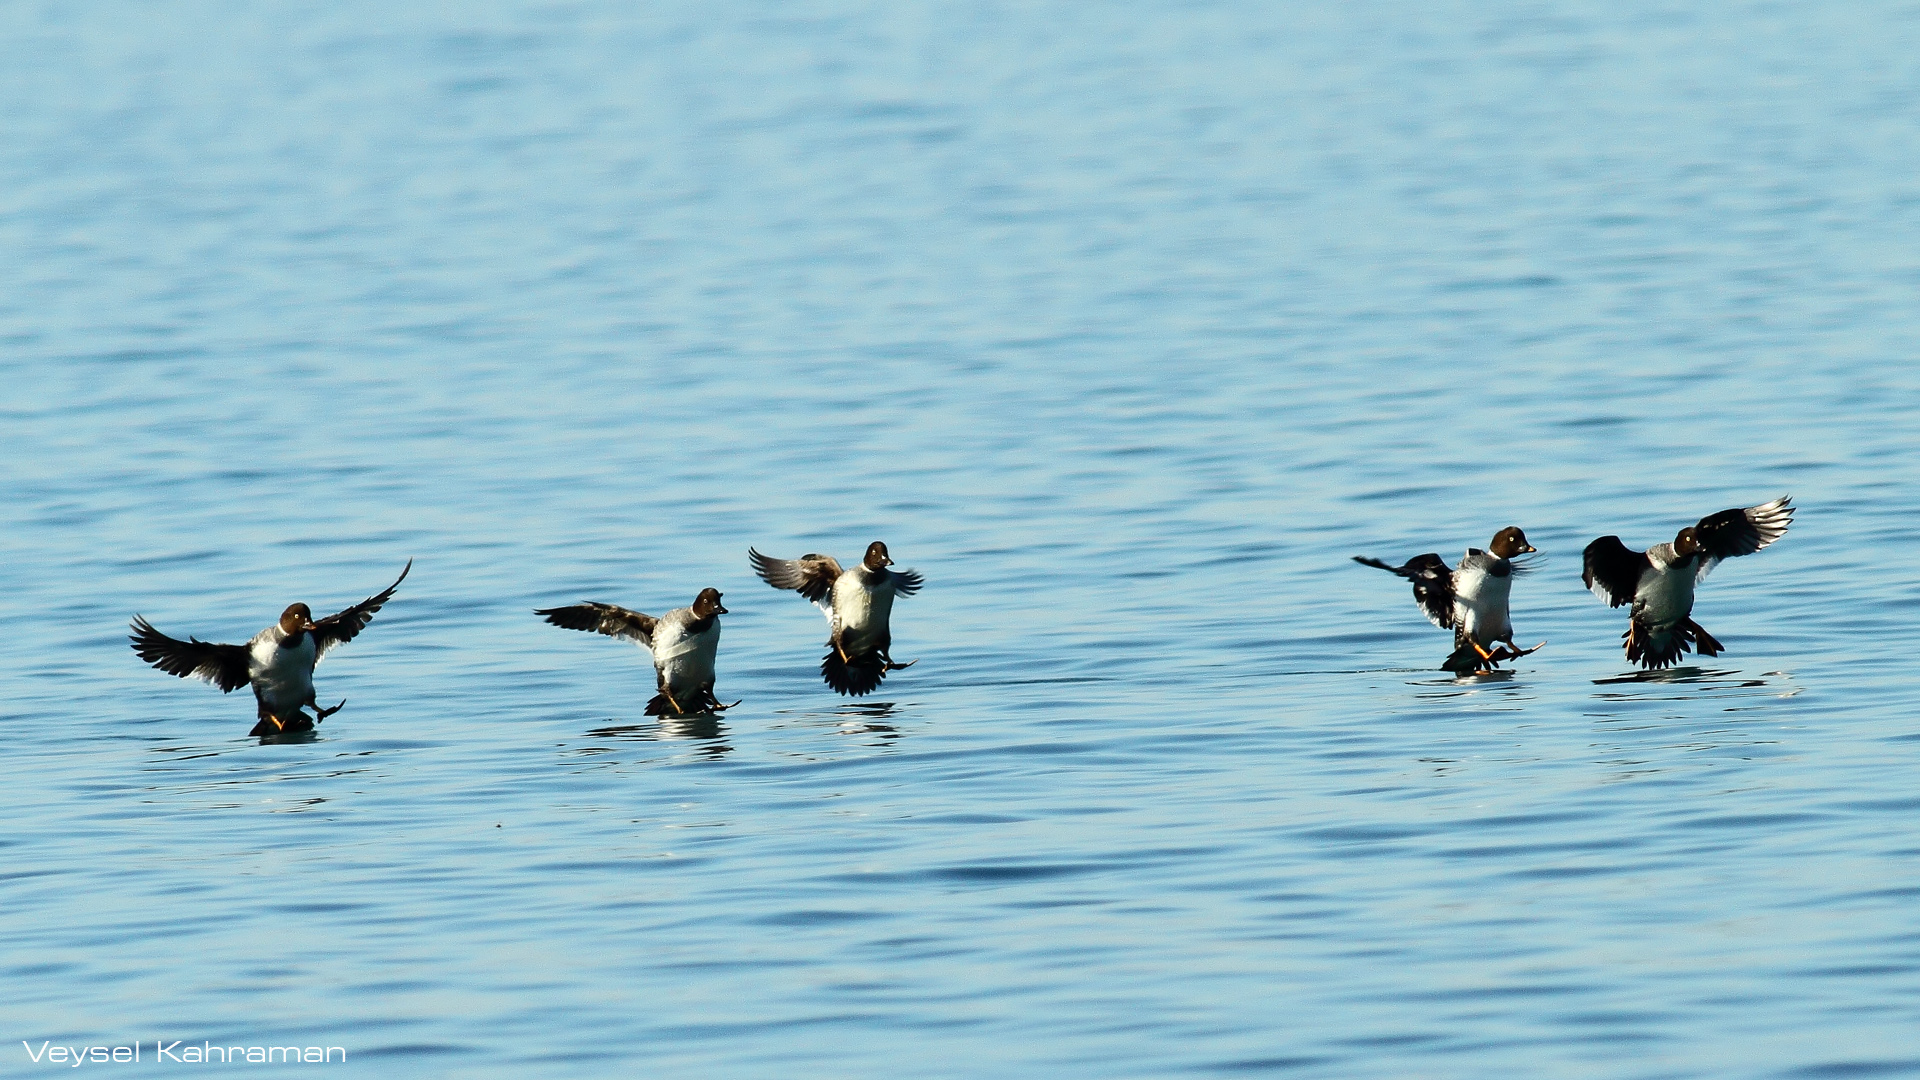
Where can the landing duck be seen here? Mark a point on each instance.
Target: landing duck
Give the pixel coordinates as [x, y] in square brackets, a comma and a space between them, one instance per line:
[1659, 582]
[859, 605]
[1470, 600]
[683, 644]
[277, 662]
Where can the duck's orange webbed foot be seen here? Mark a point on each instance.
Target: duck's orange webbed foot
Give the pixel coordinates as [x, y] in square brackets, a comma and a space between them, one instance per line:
[1508, 652]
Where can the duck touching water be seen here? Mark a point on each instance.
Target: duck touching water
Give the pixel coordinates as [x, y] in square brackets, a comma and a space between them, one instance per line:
[683, 644]
[277, 662]
[1470, 600]
[858, 603]
[1659, 581]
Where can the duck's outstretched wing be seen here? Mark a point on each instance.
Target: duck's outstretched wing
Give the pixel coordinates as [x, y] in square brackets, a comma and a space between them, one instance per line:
[606, 619]
[1736, 532]
[1432, 584]
[225, 666]
[342, 627]
[812, 576]
[1612, 570]
[906, 582]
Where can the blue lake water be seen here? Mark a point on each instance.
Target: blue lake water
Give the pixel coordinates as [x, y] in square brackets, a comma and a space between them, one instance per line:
[1126, 326]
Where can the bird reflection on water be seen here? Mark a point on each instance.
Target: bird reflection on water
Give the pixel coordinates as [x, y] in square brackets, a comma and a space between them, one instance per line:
[867, 718]
[1503, 686]
[1670, 675]
[1706, 680]
[697, 727]
[852, 718]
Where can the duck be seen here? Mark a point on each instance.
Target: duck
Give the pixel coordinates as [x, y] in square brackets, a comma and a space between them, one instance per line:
[858, 604]
[1659, 582]
[1470, 600]
[682, 643]
[277, 662]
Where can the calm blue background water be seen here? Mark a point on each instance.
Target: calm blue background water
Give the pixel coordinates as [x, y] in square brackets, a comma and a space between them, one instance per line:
[1126, 327]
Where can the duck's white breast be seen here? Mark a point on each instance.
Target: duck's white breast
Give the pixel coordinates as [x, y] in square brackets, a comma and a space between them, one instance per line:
[682, 658]
[282, 676]
[1665, 595]
[1480, 602]
[858, 608]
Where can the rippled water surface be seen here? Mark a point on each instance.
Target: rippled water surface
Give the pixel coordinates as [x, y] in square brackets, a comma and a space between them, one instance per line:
[1127, 327]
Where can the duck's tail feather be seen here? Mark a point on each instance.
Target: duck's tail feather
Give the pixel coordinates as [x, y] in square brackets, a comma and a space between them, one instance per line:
[860, 675]
[1656, 647]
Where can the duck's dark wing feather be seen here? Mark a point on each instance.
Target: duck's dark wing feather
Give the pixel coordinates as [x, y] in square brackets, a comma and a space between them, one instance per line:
[1736, 532]
[1612, 570]
[342, 627]
[906, 582]
[225, 666]
[812, 576]
[1432, 585]
[604, 619]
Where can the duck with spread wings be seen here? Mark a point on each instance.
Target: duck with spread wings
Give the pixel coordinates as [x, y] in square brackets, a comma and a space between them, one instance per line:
[858, 603]
[1659, 581]
[277, 662]
[683, 644]
[1470, 600]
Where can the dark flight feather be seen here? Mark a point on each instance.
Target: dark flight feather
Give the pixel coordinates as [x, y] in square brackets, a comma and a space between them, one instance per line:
[607, 619]
[812, 576]
[225, 666]
[1732, 533]
[1612, 570]
[1432, 584]
[340, 628]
